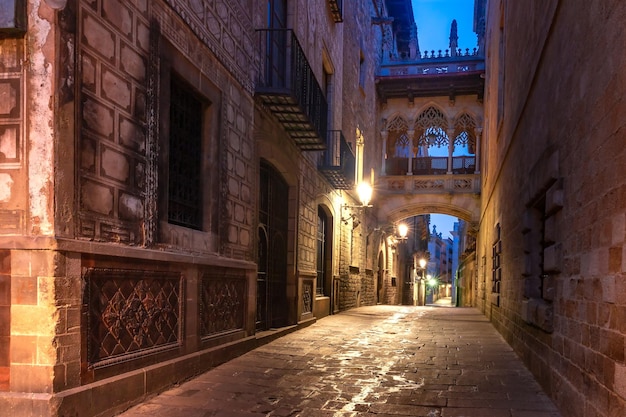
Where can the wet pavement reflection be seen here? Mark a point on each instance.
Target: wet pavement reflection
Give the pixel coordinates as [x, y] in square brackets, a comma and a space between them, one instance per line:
[370, 361]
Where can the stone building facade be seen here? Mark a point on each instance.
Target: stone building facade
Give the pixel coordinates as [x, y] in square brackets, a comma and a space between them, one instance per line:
[551, 246]
[157, 210]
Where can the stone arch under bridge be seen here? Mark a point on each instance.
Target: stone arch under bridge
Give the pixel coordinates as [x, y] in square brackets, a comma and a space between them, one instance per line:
[392, 208]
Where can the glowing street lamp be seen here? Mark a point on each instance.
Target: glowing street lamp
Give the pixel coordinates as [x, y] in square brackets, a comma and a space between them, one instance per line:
[432, 282]
[422, 263]
[364, 192]
[403, 230]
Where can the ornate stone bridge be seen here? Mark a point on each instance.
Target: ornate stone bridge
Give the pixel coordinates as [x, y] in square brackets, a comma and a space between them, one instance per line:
[399, 197]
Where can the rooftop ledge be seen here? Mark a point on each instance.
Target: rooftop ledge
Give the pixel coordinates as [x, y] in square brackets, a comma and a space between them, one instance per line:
[433, 66]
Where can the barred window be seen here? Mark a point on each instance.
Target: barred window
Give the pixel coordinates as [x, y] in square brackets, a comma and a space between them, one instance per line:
[185, 151]
[496, 270]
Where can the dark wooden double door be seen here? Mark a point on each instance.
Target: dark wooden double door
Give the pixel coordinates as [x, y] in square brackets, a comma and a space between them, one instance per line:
[272, 307]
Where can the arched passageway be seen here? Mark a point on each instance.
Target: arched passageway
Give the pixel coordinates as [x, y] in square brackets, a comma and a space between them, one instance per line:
[391, 208]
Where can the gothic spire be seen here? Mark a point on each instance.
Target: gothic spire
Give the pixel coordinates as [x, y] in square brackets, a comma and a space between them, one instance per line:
[454, 39]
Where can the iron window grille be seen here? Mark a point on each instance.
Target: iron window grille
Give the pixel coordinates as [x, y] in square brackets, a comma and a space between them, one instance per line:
[185, 157]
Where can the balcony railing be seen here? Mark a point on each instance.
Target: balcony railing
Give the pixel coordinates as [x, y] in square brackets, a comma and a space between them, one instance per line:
[337, 162]
[288, 87]
[430, 165]
[433, 64]
[432, 75]
[336, 8]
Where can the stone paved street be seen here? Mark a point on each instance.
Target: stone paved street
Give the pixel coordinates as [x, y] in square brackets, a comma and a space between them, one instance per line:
[382, 361]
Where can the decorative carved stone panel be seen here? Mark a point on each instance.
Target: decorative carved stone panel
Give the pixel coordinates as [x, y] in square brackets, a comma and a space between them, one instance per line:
[428, 184]
[131, 313]
[222, 301]
[395, 185]
[463, 184]
[307, 296]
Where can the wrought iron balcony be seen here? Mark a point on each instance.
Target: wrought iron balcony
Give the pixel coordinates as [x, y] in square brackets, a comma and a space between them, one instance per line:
[288, 87]
[336, 8]
[337, 162]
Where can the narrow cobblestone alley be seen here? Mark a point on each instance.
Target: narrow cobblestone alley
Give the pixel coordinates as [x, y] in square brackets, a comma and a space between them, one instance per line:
[382, 360]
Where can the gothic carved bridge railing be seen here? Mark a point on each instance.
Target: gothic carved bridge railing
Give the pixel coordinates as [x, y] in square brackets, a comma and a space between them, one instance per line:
[402, 196]
[427, 184]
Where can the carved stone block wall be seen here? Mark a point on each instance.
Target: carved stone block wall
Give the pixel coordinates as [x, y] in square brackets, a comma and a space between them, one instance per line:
[307, 218]
[368, 288]
[117, 159]
[113, 42]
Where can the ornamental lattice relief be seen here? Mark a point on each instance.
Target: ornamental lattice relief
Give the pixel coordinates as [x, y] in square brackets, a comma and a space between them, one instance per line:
[397, 124]
[464, 130]
[430, 128]
[131, 313]
[463, 184]
[222, 302]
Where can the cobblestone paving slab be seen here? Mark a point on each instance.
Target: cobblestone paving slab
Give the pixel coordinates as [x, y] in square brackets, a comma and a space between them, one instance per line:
[372, 361]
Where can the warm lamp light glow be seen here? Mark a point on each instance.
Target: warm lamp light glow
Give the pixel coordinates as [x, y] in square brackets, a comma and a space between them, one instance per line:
[364, 191]
[422, 262]
[403, 229]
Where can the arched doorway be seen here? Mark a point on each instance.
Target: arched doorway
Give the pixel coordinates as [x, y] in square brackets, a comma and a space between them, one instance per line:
[272, 306]
[380, 280]
[324, 293]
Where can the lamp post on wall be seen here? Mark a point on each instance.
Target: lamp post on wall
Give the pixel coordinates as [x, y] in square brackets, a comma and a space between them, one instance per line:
[364, 194]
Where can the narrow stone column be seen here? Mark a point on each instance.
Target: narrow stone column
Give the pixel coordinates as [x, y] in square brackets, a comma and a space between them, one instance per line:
[359, 155]
[450, 133]
[384, 135]
[410, 134]
[478, 132]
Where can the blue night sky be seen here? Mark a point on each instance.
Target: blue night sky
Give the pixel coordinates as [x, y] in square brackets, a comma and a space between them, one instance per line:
[434, 17]
[445, 224]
